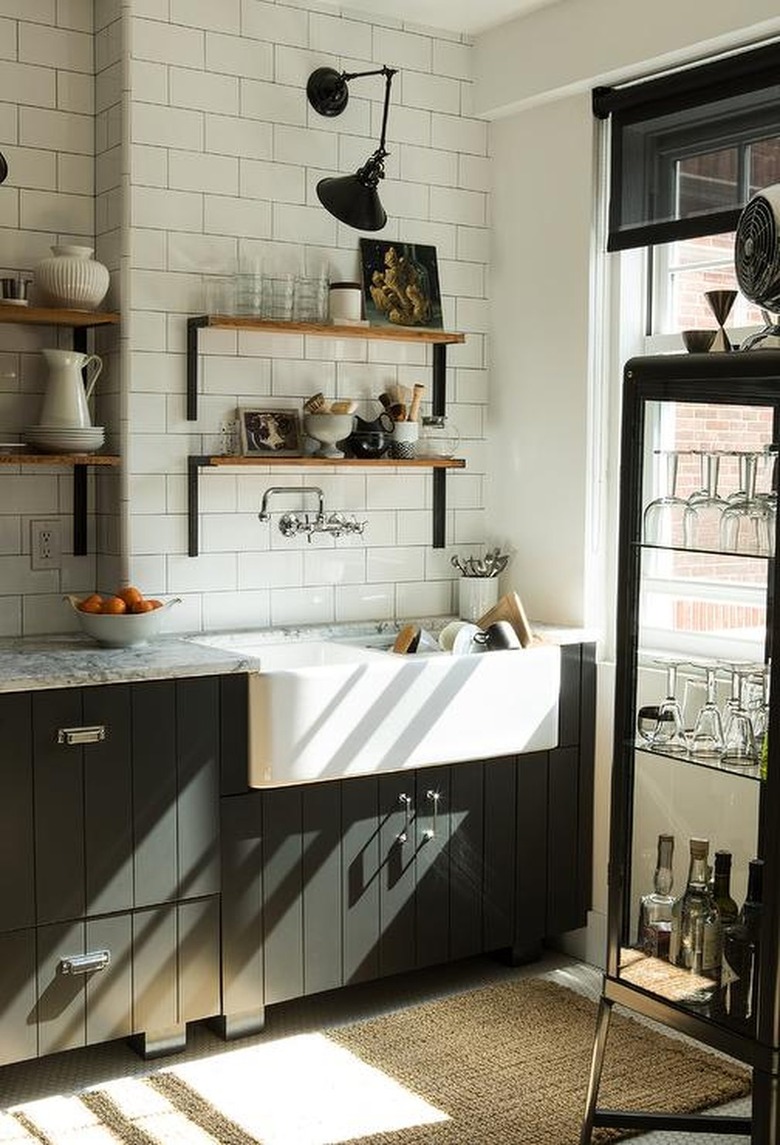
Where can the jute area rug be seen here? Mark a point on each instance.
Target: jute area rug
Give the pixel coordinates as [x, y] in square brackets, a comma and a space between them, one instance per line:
[506, 1064]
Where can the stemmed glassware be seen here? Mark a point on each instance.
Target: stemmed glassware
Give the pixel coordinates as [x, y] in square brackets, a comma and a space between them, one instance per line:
[747, 522]
[664, 519]
[702, 519]
[739, 746]
[706, 739]
[662, 727]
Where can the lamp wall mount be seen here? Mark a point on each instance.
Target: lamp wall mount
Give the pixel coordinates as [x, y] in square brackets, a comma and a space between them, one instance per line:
[3, 168]
[352, 199]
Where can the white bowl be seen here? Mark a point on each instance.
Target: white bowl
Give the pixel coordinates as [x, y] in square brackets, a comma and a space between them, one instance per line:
[124, 630]
[327, 429]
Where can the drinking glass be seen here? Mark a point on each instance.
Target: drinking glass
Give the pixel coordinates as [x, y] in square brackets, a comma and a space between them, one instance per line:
[702, 518]
[662, 728]
[747, 519]
[663, 522]
[706, 740]
[739, 741]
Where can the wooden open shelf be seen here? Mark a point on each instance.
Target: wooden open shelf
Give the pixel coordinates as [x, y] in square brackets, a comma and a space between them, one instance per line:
[375, 462]
[58, 459]
[328, 329]
[54, 316]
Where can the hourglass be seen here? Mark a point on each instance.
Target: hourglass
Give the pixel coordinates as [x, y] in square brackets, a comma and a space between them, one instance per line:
[720, 303]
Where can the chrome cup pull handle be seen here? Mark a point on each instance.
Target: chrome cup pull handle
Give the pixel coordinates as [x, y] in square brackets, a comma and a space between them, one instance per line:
[85, 963]
[72, 737]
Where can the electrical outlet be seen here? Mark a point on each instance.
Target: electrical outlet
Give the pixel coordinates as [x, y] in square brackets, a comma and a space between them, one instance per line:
[45, 544]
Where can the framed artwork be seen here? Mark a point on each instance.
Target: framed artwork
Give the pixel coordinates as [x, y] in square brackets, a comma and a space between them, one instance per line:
[270, 432]
[400, 284]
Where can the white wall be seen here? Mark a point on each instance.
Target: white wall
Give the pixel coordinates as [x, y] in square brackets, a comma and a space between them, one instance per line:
[207, 156]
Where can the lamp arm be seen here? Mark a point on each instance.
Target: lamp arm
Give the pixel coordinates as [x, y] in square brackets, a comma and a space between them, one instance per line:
[388, 73]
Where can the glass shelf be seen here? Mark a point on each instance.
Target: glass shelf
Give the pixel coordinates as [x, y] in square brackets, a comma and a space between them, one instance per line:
[752, 772]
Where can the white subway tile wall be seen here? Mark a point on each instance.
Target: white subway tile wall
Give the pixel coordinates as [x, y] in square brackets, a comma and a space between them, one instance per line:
[178, 140]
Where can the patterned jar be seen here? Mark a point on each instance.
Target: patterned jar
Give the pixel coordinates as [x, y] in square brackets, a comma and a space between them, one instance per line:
[71, 278]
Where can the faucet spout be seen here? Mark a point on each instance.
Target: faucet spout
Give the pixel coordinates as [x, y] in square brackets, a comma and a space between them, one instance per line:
[264, 514]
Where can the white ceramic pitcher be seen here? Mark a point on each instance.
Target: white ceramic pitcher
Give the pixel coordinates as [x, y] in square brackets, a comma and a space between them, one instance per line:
[65, 401]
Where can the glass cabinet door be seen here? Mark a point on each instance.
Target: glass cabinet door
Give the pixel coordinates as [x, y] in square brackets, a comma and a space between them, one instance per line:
[697, 547]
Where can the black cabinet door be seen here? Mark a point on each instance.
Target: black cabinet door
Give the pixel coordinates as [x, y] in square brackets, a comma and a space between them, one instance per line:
[154, 792]
[17, 859]
[197, 759]
[536, 809]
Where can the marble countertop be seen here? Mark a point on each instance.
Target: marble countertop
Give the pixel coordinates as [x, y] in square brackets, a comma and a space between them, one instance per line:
[73, 660]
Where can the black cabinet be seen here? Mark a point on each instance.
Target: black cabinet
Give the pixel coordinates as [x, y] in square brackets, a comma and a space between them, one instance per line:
[696, 565]
[330, 884]
[110, 880]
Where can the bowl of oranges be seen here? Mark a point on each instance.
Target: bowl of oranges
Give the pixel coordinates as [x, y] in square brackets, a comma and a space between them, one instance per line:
[122, 619]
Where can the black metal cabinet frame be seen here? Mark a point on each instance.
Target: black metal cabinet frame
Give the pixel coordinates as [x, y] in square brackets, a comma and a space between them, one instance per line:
[733, 379]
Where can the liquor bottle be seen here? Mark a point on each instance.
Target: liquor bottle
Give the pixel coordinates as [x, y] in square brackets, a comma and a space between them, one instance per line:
[721, 889]
[696, 939]
[740, 952]
[655, 908]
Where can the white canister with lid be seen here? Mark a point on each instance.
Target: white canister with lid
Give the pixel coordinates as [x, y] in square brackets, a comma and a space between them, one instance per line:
[345, 302]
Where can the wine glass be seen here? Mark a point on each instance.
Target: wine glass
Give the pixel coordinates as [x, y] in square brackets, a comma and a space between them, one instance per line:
[706, 740]
[739, 741]
[747, 520]
[662, 727]
[663, 522]
[702, 519]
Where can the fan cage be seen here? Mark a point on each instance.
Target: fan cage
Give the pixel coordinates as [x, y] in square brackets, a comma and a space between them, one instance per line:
[757, 254]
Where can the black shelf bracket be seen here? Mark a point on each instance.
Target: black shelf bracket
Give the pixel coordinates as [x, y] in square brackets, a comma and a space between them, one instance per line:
[194, 326]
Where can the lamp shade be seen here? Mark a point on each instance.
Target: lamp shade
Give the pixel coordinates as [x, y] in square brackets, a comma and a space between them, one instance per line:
[352, 201]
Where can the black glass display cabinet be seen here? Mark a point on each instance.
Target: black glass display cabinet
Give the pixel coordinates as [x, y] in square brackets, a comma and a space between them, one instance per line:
[678, 411]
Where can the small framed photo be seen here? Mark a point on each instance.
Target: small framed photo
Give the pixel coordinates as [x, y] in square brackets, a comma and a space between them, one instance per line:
[400, 284]
[270, 432]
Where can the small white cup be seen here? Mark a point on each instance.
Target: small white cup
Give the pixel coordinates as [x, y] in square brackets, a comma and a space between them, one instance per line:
[476, 594]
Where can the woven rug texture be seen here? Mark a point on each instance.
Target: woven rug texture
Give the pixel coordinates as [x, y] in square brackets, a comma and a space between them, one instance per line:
[505, 1064]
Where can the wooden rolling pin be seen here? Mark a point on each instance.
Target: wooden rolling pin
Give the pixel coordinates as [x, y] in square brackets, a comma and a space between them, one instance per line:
[414, 408]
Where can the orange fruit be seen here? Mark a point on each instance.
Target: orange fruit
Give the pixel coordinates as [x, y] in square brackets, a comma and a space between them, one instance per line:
[113, 605]
[130, 595]
[91, 603]
[142, 606]
[155, 603]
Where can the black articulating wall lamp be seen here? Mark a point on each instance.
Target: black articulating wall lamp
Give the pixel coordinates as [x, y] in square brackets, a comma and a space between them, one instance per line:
[353, 199]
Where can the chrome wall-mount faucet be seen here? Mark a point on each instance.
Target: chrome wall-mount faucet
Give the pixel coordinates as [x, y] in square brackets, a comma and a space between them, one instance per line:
[290, 524]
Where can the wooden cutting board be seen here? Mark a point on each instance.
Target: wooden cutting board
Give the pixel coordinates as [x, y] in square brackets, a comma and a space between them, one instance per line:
[510, 608]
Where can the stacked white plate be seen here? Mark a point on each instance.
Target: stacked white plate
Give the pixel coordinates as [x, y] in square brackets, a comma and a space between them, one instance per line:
[65, 439]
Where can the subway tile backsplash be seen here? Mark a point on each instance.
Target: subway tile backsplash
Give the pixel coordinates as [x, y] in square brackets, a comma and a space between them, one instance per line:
[176, 138]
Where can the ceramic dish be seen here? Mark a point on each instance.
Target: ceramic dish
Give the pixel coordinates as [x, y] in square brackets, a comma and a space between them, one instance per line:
[122, 631]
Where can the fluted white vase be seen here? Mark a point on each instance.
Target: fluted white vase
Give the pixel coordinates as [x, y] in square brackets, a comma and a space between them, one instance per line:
[71, 278]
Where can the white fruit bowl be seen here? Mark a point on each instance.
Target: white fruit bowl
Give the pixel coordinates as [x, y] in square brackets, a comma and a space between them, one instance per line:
[124, 630]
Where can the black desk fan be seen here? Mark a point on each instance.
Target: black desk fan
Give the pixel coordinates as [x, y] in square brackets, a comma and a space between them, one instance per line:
[757, 263]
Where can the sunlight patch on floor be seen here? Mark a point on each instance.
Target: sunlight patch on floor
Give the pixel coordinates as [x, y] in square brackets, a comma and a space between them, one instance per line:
[305, 1090]
[300, 1090]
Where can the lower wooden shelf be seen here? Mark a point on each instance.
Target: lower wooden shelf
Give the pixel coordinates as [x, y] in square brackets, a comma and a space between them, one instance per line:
[79, 462]
[439, 465]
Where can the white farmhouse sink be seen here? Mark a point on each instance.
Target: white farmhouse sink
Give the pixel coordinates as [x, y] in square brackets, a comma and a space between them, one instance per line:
[321, 710]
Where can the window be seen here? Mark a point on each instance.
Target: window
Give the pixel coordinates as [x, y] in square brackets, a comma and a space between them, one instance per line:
[685, 160]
